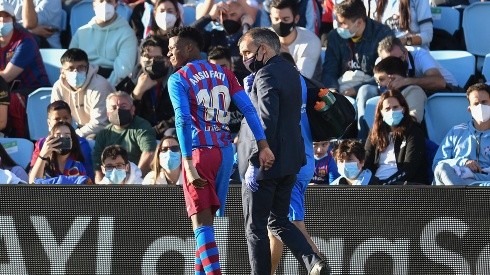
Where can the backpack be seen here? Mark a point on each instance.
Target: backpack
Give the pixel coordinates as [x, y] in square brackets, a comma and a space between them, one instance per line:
[332, 123]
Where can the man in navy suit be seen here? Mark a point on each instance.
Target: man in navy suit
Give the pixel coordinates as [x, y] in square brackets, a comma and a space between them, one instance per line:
[276, 95]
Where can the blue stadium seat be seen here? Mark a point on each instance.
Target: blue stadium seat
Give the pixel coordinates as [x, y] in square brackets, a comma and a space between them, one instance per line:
[64, 20]
[37, 103]
[476, 26]
[446, 18]
[83, 11]
[370, 110]
[486, 67]
[444, 111]
[19, 149]
[461, 64]
[189, 14]
[51, 60]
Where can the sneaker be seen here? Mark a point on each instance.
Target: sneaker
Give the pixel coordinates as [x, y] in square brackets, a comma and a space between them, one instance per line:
[320, 268]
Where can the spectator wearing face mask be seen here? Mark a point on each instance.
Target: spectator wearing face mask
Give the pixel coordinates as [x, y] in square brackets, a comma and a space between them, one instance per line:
[150, 94]
[350, 157]
[235, 22]
[463, 156]
[117, 168]
[395, 148]
[108, 41]
[166, 166]
[166, 15]
[303, 45]
[126, 129]
[85, 92]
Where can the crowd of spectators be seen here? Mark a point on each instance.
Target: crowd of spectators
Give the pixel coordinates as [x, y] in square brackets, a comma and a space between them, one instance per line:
[111, 118]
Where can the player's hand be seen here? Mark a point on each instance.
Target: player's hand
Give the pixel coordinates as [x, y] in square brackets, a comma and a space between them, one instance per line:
[192, 175]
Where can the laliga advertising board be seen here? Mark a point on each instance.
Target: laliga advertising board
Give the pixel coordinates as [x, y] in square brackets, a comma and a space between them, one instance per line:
[144, 230]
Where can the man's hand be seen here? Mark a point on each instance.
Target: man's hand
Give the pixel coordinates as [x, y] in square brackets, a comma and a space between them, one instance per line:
[396, 82]
[251, 178]
[247, 19]
[350, 92]
[217, 9]
[192, 175]
[266, 157]
[473, 165]
[144, 84]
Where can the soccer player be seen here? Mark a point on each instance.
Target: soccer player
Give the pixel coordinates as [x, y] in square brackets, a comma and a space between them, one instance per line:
[201, 93]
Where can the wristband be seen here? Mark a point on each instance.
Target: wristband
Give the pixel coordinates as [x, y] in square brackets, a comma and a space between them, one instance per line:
[43, 158]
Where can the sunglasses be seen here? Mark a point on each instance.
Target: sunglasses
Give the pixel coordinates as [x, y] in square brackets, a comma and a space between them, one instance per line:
[174, 148]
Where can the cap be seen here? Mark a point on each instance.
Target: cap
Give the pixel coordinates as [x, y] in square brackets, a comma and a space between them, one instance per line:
[7, 7]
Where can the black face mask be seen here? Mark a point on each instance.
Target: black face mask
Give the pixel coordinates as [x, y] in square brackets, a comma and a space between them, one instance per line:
[120, 117]
[252, 64]
[231, 26]
[283, 29]
[155, 69]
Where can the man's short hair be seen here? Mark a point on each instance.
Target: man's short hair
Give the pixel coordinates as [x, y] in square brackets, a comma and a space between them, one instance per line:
[58, 105]
[188, 33]
[263, 36]
[120, 94]
[388, 43]
[154, 41]
[113, 151]
[219, 52]
[478, 87]
[74, 54]
[283, 4]
[391, 65]
[348, 147]
[351, 9]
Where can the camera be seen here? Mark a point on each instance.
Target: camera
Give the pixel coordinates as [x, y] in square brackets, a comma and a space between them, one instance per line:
[65, 143]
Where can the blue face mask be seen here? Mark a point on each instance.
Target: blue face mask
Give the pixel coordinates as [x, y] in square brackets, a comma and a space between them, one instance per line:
[393, 118]
[169, 160]
[75, 78]
[6, 28]
[116, 176]
[349, 170]
[382, 89]
[345, 33]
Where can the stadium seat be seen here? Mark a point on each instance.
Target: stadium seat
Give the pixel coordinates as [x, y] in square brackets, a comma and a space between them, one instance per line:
[444, 111]
[37, 103]
[486, 67]
[446, 18]
[83, 11]
[51, 60]
[64, 20]
[370, 110]
[19, 149]
[476, 27]
[460, 63]
[189, 14]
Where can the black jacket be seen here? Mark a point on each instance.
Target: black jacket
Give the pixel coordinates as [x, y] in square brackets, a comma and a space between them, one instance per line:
[410, 158]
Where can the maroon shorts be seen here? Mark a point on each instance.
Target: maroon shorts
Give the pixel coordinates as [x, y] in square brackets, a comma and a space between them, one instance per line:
[207, 162]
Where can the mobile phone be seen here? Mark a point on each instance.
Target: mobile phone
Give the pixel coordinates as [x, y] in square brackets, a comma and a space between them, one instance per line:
[65, 143]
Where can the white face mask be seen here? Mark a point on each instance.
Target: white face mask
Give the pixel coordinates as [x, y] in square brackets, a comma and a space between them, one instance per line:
[104, 11]
[165, 20]
[480, 113]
